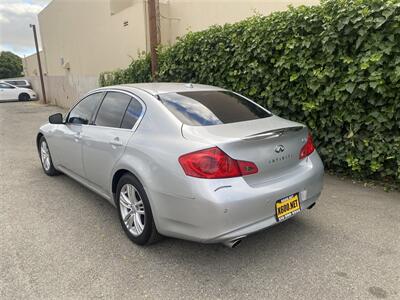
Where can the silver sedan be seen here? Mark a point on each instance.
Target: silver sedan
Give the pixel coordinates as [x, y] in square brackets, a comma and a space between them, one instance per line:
[188, 161]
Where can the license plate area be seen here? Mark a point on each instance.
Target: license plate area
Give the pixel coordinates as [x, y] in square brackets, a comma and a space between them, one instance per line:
[287, 207]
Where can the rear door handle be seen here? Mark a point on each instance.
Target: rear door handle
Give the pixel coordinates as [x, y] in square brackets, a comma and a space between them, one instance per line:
[77, 137]
[116, 142]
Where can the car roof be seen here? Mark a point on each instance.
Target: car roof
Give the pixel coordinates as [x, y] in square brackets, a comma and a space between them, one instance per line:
[156, 88]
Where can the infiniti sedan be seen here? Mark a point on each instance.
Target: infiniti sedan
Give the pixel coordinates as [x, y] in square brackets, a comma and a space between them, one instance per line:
[188, 161]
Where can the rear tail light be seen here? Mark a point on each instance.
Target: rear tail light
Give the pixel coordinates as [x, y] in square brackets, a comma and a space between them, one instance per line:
[213, 163]
[308, 148]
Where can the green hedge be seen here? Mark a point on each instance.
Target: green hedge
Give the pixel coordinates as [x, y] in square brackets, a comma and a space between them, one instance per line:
[334, 67]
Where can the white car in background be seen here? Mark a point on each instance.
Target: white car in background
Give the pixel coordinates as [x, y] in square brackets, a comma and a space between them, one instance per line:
[11, 92]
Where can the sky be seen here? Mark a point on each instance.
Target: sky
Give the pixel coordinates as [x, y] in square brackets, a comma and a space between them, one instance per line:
[15, 16]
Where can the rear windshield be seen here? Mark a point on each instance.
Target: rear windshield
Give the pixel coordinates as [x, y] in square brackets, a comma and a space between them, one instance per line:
[203, 108]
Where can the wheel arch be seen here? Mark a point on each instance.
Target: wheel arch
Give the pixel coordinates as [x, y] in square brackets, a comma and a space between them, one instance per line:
[20, 95]
[117, 176]
[114, 183]
[38, 137]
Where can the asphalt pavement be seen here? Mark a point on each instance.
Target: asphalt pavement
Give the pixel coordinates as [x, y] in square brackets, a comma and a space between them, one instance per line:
[60, 240]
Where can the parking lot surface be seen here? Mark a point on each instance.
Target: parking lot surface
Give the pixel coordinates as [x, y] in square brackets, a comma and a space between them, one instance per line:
[60, 240]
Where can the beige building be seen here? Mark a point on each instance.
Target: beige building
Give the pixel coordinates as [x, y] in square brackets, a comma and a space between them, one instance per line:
[82, 38]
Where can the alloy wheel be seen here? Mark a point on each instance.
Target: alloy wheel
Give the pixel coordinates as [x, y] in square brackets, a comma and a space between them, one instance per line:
[132, 209]
[45, 156]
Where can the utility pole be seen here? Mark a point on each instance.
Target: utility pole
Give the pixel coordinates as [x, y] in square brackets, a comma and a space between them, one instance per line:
[39, 63]
[153, 36]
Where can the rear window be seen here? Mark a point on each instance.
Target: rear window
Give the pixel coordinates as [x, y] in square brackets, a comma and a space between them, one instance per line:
[203, 108]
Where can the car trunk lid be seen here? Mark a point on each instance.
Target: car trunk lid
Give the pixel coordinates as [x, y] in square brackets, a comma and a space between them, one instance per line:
[272, 143]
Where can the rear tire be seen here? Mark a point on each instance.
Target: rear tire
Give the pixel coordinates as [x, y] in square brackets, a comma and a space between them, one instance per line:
[24, 97]
[45, 158]
[134, 211]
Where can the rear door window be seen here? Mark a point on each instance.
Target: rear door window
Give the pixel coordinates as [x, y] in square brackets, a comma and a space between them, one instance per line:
[203, 108]
[112, 109]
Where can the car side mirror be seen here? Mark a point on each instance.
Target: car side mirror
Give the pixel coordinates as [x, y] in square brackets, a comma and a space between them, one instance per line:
[56, 119]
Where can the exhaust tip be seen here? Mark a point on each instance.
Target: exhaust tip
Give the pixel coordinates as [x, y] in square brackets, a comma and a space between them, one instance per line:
[236, 243]
[311, 206]
[233, 243]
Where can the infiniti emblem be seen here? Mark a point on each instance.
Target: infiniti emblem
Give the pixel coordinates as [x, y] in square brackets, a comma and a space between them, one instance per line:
[279, 148]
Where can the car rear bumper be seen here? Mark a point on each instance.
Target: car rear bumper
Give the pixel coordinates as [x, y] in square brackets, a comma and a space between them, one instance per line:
[257, 226]
[226, 209]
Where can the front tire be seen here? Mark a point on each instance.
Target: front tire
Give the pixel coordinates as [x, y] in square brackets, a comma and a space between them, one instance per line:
[45, 158]
[24, 97]
[135, 212]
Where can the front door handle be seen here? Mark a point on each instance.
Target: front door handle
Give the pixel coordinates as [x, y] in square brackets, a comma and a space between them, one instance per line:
[116, 142]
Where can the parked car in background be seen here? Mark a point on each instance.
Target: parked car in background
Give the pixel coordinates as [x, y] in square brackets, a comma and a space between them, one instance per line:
[189, 161]
[11, 92]
[19, 83]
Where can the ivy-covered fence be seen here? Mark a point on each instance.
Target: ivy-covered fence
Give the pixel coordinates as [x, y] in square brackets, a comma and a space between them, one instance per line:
[334, 67]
